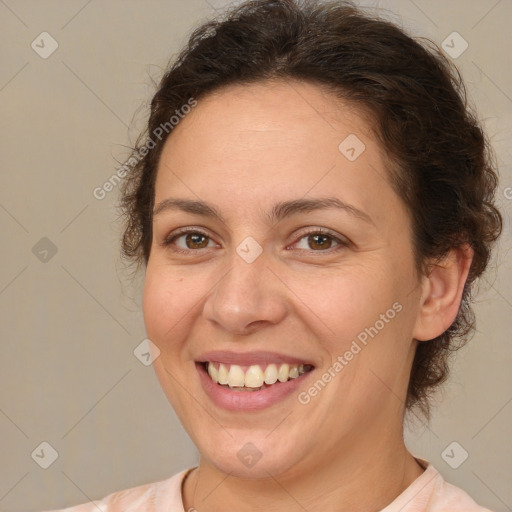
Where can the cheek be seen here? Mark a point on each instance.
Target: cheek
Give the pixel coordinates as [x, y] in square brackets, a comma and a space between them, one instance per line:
[369, 326]
[349, 301]
[166, 300]
[155, 307]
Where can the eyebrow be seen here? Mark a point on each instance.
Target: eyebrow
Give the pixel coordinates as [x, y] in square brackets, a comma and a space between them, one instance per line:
[278, 212]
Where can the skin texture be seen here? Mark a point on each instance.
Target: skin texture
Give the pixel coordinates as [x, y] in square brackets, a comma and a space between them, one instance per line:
[243, 149]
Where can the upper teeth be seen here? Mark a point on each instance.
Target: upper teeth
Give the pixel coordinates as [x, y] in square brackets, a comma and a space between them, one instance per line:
[254, 377]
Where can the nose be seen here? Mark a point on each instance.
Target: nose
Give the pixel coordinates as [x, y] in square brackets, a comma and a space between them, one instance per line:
[247, 297]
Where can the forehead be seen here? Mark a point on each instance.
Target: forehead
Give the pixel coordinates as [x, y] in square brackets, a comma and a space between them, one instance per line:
[249, 143]
[243, 115]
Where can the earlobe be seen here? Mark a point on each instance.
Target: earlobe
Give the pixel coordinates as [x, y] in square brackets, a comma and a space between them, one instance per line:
[442, 293]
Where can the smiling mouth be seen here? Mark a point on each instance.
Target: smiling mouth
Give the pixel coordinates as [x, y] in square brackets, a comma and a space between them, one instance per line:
[254, 377]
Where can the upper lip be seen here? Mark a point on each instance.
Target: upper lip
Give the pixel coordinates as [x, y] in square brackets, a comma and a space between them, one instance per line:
[249, 358]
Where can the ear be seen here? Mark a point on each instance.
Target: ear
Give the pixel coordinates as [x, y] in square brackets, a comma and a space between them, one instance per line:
[442, 293]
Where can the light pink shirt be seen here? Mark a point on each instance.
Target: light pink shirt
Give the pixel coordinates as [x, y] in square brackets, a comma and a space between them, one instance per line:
[428, 493]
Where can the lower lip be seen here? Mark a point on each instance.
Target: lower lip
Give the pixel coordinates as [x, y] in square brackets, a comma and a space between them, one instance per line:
[248, 400]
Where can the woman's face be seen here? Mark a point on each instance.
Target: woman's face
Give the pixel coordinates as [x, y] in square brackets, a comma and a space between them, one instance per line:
[260, 288]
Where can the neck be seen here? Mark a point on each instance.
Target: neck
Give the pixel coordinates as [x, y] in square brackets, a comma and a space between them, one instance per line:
[357, 479]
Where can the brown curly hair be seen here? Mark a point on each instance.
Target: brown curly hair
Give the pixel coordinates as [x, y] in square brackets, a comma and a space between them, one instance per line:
[440, 162]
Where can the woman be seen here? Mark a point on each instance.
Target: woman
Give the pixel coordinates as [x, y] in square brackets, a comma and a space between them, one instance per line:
[312, 202]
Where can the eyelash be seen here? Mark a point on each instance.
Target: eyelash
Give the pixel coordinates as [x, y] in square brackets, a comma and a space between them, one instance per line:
[318, 231]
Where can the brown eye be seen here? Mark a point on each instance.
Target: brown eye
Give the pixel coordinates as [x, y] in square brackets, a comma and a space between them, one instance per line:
[187, 241]
[319, 241]
[196, 240]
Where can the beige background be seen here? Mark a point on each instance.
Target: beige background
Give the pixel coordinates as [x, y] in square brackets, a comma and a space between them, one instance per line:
[68, 375]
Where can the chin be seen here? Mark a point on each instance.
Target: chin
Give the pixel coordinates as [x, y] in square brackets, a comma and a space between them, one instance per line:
[245, 455]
